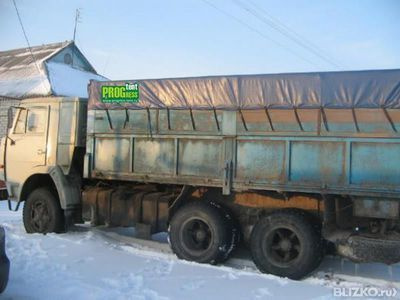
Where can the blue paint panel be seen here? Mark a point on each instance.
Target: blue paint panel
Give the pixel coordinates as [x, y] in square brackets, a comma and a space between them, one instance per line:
[375, 163]
[198, 157]
[340, 160]
[154, 156]
[289, 127]
[112, 154]
[374, 127]
[180, 120]
[342, 127]
[317, 162]
[309, 126]
[138, 120]
[260, 161]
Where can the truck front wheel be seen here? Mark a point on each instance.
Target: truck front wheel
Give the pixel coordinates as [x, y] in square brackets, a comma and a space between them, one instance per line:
[200, 232]
[42, 212]
[285, 243]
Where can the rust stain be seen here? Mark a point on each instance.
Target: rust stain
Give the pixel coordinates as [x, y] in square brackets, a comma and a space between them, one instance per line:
[264, 201]
[334, 115]
[308, 115]
[369, 115]
[254, 116]
[282, 116]
[394, 115]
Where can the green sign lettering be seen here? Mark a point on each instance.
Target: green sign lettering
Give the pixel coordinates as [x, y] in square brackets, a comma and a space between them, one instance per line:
[120, 93]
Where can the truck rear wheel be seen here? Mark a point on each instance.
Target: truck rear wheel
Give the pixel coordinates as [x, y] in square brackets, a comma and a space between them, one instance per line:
[201, 232]
[42, 212]
[285, 243]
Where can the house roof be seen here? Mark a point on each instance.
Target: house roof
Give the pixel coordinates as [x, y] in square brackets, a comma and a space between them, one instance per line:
[21, 77]
[22, 58]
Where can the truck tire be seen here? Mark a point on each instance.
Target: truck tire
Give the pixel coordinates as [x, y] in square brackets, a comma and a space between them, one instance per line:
[42, 212]
[287, 244]
[202, 233]
[233, 227]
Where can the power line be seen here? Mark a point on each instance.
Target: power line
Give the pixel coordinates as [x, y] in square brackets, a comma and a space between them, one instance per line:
[286, 31]
[287, 28]
[259, 32]
[27, 42]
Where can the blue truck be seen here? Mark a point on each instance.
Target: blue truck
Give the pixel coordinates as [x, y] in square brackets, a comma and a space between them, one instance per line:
[288, 165]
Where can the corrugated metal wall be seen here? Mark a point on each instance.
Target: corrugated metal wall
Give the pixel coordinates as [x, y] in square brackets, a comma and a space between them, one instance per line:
[5, 103]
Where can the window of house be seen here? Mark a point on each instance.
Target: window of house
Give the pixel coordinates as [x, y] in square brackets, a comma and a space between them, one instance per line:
[68, 59]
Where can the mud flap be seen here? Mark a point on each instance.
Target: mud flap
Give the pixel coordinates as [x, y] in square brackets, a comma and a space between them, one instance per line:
[68, 191]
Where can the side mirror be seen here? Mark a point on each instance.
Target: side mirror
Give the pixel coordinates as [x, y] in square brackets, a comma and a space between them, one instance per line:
[10, 117]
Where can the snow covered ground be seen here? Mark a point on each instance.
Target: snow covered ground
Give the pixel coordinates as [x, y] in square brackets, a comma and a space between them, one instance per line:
[88, 264]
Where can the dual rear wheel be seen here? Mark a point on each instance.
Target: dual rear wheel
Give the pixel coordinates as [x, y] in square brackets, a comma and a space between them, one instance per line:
[285, 243]
[203, 232]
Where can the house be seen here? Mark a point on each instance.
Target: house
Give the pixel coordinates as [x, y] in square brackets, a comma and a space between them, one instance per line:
[58, 69]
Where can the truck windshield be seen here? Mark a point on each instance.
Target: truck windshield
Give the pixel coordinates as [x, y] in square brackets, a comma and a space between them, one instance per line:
[20, 125]
[36, 120]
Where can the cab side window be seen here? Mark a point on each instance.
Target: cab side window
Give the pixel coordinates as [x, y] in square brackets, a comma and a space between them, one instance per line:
[21, 121]
[36, 120]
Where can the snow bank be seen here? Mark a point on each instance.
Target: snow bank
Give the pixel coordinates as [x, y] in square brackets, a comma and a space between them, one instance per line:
[86, 265]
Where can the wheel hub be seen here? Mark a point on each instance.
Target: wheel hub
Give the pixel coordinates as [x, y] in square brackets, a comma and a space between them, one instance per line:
[200, 235]
[196, 235]
[285, 245]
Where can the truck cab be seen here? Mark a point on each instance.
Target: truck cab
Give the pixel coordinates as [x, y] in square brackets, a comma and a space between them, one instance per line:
[43, 141]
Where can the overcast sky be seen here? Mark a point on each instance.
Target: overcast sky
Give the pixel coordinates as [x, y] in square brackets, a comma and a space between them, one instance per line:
[154, 39]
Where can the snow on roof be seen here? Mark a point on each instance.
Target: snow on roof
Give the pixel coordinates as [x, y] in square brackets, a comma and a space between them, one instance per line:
[67, 81]
[20, 77]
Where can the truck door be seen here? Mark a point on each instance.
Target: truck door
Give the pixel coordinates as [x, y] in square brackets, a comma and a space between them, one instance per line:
[26, 148]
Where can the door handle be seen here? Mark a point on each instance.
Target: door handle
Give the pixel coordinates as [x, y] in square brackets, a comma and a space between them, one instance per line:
[40, 152]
